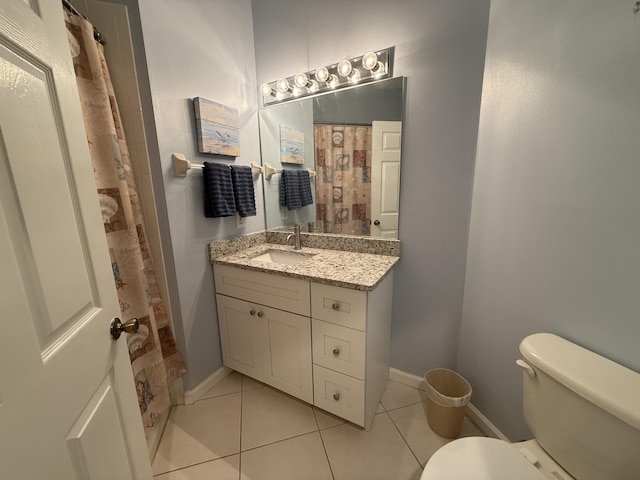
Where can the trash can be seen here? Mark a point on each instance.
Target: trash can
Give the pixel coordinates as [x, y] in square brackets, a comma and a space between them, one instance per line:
[447, 396]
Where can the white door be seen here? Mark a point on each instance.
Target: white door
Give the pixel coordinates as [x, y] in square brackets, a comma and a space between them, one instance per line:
[68, 406]
[386, 140]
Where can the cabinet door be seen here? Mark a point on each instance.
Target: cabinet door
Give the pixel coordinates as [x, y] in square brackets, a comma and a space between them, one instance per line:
[241, 336]
[287, 364]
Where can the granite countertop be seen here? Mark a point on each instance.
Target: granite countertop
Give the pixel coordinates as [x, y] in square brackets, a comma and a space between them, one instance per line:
[360, 271]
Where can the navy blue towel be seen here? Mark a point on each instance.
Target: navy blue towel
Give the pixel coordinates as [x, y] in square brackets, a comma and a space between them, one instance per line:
[290, 189]
[242, 179]
[305, 187]
[219, 200]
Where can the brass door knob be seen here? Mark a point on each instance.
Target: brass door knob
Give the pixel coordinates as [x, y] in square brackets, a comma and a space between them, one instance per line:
[117, 327]
[336, 397]
[336, 306]
[336, 352]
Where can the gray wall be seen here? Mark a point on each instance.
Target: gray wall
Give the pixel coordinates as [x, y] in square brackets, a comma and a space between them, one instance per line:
[184, 50]
[555, 224]
[440, 47]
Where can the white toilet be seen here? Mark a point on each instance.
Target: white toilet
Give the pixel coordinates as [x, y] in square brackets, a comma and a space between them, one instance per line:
[583, 409]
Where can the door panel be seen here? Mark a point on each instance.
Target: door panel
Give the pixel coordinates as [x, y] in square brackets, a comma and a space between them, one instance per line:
[288, 353]
[66, 390]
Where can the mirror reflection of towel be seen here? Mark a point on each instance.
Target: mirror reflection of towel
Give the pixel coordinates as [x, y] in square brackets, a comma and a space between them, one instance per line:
[242, 179]
[305, 187]
[290, 189]
[219, 200]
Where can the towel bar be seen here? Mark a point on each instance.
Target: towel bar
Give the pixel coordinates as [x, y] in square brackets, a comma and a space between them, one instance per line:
[181, 166]
[270, 171]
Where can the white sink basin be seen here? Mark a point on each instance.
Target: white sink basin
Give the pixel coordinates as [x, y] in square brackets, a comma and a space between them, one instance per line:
[283, 257]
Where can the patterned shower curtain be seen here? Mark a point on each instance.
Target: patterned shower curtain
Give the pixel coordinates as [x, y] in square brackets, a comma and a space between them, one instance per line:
[154, 357]
[343, 180]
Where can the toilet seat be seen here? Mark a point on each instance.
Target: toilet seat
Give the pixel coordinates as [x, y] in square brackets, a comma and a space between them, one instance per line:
[479, 458]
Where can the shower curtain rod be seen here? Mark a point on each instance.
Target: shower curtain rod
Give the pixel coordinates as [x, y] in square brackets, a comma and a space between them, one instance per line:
[96, 34]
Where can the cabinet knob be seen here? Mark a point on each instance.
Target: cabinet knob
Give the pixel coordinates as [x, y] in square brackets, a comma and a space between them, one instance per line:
[336, 397]
[336, 352]
[252, 312]
[260, 314]
[336, 306]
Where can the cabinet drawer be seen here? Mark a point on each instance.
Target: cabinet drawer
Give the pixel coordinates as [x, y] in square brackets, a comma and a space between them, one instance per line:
[339, 394]
[338, 348]
[284, 293]
[338, 305]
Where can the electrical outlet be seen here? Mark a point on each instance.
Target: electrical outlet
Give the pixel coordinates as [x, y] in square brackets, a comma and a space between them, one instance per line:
[240, 221]
[284, 213]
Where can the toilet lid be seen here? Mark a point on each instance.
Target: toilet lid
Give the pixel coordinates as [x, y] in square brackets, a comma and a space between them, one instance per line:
[479, 458]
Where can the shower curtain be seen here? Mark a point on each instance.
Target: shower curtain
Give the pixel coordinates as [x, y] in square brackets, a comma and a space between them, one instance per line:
[343, 180]
[154, 357]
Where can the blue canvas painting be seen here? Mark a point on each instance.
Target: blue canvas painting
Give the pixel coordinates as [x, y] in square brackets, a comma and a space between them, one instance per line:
[218, 128]
[291, 145]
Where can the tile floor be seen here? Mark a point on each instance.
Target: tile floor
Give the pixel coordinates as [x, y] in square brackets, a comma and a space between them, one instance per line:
[244, 430]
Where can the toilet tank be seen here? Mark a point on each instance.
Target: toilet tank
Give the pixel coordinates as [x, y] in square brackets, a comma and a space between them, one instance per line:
[583, 409]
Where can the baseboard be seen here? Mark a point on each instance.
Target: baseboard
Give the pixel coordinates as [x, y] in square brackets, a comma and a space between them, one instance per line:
[195, 394]
[483, 423]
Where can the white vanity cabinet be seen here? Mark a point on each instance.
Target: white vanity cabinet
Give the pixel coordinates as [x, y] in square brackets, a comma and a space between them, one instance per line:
[324, 344]
[258, 337]
[351, 332]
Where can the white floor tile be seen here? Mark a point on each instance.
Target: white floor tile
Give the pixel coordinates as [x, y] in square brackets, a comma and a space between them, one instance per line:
[197, 433]
[398, 395]
[249, 383]
[414, 427]
[293, 459]
[325, 419]
[227, 468]
[269, 416]
[232, 383]
[379, 454]
[412, 423]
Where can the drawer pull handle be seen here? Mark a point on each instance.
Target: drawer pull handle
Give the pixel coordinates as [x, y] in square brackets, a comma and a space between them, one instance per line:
[336, 352]
[336, 397]
[336, 306]
[252, 312]
[260, 314]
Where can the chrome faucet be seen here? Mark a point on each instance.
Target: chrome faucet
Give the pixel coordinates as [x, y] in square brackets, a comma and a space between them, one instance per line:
[296, 236]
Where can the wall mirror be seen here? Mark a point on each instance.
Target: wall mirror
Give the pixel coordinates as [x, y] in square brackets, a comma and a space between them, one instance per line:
[352, 140]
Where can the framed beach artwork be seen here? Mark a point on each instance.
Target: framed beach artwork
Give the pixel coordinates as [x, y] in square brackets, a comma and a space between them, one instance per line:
[217, 128]
[291, 145]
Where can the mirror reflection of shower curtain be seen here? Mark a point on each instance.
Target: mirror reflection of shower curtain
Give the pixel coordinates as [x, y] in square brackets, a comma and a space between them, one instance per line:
[343, 180]
[154, 357]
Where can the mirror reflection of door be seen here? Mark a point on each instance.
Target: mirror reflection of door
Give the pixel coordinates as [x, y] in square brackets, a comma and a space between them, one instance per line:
[386, 145]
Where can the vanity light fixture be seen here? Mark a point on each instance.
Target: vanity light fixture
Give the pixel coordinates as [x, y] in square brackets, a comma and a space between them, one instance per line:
[266, 90]
[366, 68]
[371, 63]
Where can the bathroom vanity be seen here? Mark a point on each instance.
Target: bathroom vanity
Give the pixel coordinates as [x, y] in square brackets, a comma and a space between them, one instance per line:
[315, 324]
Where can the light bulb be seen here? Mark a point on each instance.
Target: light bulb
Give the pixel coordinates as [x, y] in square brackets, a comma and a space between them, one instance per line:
[296, 92]
[354, 76]
[333, 81]
[301, 80]
[266, 90]
[314, 86]
[344, 67]
[282, 85]
[322, 74]
[370, 60]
